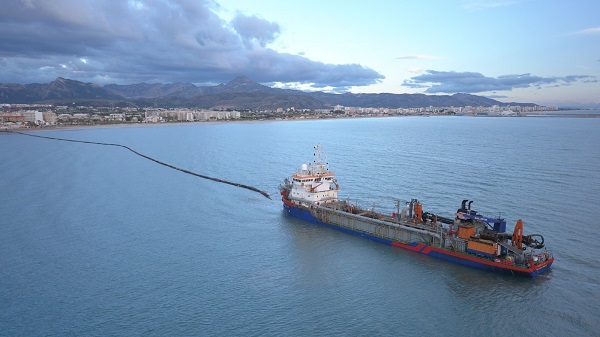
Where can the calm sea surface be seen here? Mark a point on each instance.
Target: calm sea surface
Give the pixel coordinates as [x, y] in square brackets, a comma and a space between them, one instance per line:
[96, 241]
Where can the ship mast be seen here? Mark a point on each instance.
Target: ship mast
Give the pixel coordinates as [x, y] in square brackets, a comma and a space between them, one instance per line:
[318, 167]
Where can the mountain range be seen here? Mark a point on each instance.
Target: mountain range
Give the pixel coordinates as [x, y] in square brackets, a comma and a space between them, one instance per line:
[240, 93]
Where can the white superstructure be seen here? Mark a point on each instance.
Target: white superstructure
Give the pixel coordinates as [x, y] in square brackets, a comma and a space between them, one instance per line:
[313, 183]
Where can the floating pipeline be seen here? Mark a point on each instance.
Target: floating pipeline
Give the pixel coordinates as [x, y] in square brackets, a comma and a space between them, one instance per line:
[251, 188]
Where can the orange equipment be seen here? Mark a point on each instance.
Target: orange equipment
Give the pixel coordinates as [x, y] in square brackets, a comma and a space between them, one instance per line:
[517, 238]
[418, 211]
[466, 231]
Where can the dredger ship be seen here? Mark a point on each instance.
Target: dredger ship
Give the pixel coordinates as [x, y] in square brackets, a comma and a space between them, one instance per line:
[468, 238]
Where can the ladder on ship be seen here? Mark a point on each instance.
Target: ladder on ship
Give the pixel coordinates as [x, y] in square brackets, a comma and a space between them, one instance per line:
[512, 249]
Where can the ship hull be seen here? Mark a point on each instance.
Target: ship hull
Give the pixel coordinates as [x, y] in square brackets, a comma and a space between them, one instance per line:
[443, 254]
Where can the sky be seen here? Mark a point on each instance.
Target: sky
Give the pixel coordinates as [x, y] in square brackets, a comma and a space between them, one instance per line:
[539, 51]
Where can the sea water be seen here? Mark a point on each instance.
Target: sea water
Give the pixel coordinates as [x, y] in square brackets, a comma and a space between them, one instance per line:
[96, 241]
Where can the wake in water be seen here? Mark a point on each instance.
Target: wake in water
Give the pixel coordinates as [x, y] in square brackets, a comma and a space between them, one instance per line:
[150, 158]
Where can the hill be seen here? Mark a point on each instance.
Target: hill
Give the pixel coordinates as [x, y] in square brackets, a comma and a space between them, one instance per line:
[59, 89]
[239, 93]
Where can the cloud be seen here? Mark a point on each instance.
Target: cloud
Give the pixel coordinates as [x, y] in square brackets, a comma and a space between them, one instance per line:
[418, 57]
[473, 82]
[588, 31]
[415, 70]
[486, 4]
[305, 87]
[253, 28]
[153, 41]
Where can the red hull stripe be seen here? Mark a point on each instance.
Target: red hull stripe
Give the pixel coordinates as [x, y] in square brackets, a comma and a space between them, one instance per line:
[415, 247]
[428, 249]
[421, 248]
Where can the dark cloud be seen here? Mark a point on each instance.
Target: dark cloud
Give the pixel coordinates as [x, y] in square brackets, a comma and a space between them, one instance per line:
[131, 41]
[252, 28]
[473, 82]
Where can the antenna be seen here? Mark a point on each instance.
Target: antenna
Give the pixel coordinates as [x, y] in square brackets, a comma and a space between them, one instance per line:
[318, 154]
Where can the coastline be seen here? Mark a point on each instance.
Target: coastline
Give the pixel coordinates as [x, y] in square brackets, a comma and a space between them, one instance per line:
[558, 114]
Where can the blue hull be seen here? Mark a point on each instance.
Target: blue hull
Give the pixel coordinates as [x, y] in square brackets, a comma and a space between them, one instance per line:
[304, 214]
